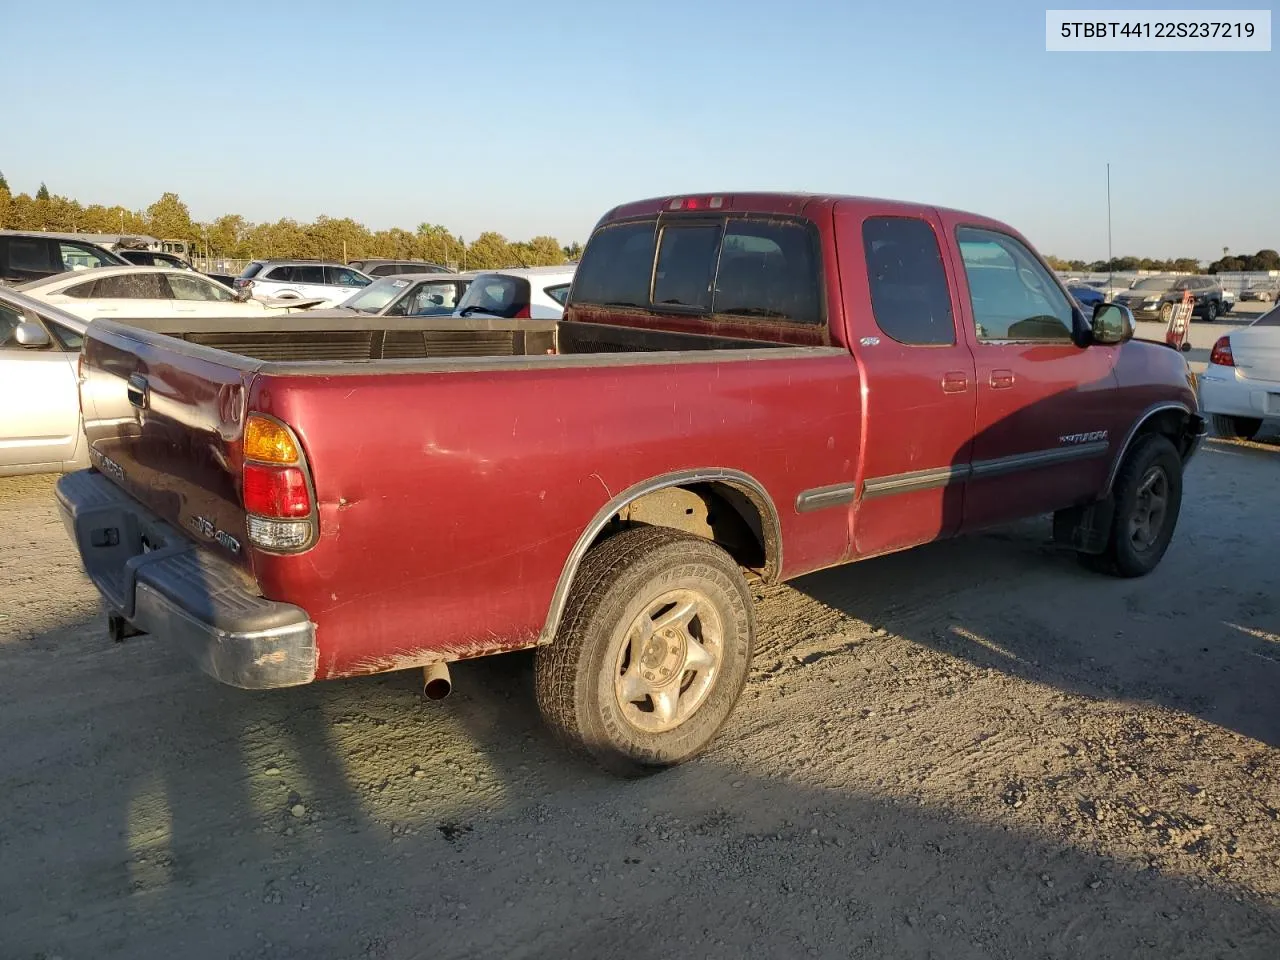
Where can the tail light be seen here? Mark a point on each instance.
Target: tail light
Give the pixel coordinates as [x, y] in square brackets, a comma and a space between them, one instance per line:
[524, 313]
[1221, 355]
[276, 488]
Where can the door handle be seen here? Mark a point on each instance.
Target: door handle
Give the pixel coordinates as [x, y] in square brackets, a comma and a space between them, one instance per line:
[955, 382]
[137, 391]
[1001, 379]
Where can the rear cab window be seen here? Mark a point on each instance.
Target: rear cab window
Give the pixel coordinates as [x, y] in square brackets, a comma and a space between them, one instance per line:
[910, 299]
[722, 268]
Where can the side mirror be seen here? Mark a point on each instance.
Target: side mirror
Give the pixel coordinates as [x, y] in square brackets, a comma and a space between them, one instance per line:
[1111, 324]
[32, 335]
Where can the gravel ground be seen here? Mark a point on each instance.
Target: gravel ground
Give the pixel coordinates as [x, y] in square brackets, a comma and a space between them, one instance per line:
[974, 749]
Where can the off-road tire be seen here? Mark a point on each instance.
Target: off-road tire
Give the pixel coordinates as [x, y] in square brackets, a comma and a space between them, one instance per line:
[574, 675]
[1122, 557]
[1236, 428]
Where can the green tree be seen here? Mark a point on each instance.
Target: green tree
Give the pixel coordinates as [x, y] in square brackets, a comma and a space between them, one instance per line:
[1266, 260]
[43, 192]
[489, 251]
[4, 184]
[169, 219]
[573, 251]
[228, 235]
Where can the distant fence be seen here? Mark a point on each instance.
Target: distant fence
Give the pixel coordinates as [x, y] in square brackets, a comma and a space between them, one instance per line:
[1232, 282]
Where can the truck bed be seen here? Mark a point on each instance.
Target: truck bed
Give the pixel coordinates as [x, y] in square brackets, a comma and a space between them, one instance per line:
[300, 343]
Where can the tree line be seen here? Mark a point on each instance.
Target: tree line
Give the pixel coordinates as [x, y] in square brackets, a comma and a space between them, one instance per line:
[233, 237]
[1260, 261]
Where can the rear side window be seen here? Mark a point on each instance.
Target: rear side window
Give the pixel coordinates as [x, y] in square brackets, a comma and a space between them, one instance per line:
[141, 286]
[308, 274]
[81, 291]
[558, 293]
[32, 254]
[909, 295]
[383, 270]
[617, 266]
[768, 269]
[280, 274]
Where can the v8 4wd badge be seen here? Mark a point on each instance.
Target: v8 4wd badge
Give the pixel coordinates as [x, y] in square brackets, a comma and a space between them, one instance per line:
[206, 529]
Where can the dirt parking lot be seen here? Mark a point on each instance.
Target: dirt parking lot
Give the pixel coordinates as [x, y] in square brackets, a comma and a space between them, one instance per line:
[975, 749]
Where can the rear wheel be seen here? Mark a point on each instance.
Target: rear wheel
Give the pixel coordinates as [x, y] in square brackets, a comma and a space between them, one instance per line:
[653, 651]
[1148, 495]
[1236, 428]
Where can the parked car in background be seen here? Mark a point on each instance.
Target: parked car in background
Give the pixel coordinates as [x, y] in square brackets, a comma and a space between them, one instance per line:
[1086, 295]
[386, 268]
[154, 258]
[1228, 301]
[407, 295]
[759, 384]
[1240, 388]
[151, 292]
[526, 292]
[31, 256]
[301, 280]
[1153, 298]
[1266, 291]
[39, 400]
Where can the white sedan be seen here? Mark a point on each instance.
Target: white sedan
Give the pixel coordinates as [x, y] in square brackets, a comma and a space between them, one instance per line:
[39, 400]
[128, 292]
[1241, 386]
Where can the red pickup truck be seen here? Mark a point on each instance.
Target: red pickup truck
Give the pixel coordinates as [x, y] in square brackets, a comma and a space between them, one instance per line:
[748, 384]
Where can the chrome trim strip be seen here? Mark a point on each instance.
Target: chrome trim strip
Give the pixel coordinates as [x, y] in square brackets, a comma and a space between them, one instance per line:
[1039, 458]
[918, 480]
[913, 481]
[748, 485]
[821, 497]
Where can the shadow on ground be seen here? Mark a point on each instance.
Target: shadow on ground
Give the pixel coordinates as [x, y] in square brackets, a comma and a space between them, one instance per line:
[172, 817]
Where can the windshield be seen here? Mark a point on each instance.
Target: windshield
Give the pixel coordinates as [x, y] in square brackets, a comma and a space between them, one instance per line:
[1154, 283]
[376, 295]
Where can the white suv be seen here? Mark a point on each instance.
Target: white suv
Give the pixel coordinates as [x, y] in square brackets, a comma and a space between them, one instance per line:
[300, 280]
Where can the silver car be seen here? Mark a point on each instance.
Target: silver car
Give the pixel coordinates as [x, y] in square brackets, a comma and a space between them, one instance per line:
[40, 429]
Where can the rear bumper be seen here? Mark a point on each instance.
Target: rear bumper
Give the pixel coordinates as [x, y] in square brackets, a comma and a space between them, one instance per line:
[162, 583]
[1225, 394]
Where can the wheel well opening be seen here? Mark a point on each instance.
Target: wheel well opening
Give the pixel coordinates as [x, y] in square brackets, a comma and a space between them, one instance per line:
[1172, 424]
[716, 511]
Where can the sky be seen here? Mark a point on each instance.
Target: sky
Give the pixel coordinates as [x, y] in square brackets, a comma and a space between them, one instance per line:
[537, 118]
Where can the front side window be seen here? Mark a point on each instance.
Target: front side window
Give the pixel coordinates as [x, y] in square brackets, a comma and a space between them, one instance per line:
[909, 295]
[433, 299]
[1013, 296]
[77, 256]
[136, 286]
[341, 276]
[197, 288]
[768, 269]
[617, 266]
[9, 320]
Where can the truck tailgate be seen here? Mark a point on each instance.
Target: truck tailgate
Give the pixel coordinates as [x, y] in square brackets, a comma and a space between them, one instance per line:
[166, 424]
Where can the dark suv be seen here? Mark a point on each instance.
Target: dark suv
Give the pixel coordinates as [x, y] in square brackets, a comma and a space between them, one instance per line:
[34, 256]
[1153, 298]
[386, 268]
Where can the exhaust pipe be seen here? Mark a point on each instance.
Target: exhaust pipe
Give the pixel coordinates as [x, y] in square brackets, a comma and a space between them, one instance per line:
[435, 681]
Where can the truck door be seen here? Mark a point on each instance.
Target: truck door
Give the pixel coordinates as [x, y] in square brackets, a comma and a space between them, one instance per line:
[918, 376]
[1047, 414]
